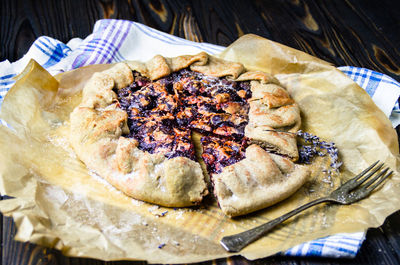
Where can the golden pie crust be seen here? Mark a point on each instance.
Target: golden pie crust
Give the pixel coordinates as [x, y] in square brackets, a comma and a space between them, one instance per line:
[97, 126]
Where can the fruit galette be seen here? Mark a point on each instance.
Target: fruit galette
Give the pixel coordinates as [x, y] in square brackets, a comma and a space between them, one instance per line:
[135, 126]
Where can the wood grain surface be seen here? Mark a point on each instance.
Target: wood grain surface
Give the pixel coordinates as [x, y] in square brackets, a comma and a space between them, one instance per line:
[358, 33]
[363, 33]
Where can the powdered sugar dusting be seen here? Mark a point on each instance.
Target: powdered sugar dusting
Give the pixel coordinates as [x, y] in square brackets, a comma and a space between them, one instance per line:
[104, 182]
[62, 142]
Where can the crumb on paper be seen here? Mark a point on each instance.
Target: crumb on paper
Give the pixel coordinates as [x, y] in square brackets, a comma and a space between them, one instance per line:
[157, 211]
[179, 215]
[161, 214]
[56, 194]
[153, 208]
[161, 245]
[194, 239]
[137, 202]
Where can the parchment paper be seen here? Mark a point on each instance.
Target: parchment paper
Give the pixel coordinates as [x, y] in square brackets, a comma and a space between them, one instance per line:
[59, 203]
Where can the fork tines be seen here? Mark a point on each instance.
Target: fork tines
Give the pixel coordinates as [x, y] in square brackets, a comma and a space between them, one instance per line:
[367, 174]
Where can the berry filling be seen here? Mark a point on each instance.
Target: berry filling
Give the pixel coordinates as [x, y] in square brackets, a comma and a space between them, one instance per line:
[221, 152]
[162, 113]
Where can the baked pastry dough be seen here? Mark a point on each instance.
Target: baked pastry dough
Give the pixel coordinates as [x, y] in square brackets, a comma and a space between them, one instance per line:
[258, 181]
[159, 166]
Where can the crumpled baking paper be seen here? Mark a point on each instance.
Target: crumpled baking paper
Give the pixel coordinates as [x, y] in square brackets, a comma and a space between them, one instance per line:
[59, 203]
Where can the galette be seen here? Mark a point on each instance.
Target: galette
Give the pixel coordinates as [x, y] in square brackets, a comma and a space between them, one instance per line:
[137, 123]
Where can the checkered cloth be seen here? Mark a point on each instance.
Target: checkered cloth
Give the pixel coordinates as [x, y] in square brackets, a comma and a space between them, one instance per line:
[118, 40]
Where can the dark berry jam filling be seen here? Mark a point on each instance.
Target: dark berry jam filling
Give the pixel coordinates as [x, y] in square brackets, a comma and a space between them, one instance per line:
[163, 113]
[221, 152]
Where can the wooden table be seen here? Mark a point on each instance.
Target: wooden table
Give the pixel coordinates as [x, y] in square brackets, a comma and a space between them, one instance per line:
[360, 33]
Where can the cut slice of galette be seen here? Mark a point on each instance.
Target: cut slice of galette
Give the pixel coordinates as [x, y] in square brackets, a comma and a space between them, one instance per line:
[135, 122]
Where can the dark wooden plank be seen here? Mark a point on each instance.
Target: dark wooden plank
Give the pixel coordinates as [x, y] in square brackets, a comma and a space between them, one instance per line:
[376, 250]
[12, 252]
[341, 32]
[391, 231]
[355, 33]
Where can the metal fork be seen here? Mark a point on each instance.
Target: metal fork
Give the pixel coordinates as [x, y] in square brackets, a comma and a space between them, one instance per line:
[350, 192]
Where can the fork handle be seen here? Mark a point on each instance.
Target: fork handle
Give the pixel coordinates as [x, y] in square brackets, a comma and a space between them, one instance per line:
[235, 243]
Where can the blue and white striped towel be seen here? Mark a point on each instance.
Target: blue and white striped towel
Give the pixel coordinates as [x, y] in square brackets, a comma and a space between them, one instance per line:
[118, 40]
